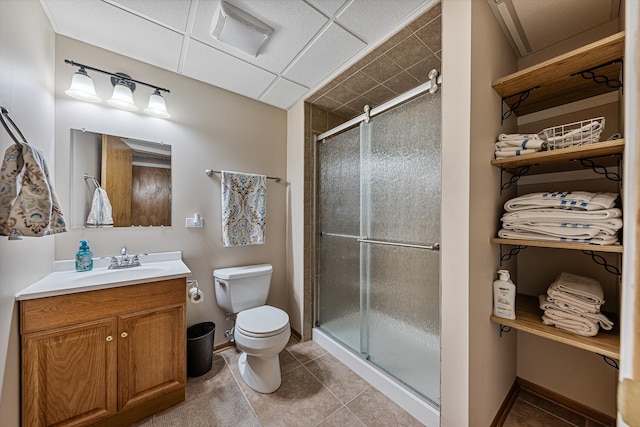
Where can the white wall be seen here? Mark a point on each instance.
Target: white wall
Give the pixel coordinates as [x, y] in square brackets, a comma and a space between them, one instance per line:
[26, 91]
[295, 215]
[210, 129]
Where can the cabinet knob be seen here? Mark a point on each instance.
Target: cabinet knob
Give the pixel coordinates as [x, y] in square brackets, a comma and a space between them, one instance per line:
[124, 335]
[109, 338]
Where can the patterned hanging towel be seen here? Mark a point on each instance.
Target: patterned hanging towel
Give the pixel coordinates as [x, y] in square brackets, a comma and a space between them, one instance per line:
[243, 208]
[28, 202]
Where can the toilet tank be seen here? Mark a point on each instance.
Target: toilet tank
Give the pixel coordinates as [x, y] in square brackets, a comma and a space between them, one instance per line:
[241, 288]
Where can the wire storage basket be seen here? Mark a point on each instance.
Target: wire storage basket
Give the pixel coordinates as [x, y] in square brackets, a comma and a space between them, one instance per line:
[572, 134]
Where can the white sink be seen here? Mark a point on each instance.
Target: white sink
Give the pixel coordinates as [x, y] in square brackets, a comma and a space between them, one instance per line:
[65, 280]
[104, 275]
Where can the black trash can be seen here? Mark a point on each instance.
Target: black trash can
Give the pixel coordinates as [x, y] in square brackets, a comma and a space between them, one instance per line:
[200, 348]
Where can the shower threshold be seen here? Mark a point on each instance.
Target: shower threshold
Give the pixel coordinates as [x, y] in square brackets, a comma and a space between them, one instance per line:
[424, 411]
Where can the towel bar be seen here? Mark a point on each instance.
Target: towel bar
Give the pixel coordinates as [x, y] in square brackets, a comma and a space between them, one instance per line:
[210, 172]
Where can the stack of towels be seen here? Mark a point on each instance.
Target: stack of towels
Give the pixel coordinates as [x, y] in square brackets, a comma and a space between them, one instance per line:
[513, 144]
[573, 216]
[573, 303]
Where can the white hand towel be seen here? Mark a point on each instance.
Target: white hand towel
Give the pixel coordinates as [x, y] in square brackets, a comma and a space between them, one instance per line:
[521, 143]
[517, 136]
[584, 288]
[101, 212]
[243, 208]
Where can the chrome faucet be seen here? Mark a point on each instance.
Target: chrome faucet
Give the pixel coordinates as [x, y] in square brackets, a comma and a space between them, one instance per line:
[124, 260]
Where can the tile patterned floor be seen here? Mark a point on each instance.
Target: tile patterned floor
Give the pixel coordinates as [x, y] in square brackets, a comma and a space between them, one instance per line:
[316, 390]
[531, 410]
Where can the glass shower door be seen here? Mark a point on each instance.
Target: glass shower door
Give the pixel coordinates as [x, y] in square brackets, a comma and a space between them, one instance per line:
[337, 248]
[378, 211]
[400, 203]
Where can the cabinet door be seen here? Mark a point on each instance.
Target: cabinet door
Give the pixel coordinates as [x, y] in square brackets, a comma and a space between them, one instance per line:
[69, 375]
[151, 354]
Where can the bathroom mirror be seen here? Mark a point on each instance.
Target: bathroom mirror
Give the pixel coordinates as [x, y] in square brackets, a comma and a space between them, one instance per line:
[135, 174]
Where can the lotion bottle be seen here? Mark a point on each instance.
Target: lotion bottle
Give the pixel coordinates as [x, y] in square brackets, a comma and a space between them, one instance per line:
[84, 257]
[504, 296]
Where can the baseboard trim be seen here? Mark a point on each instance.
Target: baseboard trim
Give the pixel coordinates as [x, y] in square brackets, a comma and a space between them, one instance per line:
[507, 404]
[218, 348]
[297, 335]
[578, 407]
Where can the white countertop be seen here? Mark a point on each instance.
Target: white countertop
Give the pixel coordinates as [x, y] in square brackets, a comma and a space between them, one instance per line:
[65, 280]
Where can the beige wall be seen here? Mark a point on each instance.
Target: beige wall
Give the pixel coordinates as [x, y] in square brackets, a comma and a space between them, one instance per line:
[456, 137]
[554, 366]
[26, 91]
[210, 129]
[295, 217]
[492, 360]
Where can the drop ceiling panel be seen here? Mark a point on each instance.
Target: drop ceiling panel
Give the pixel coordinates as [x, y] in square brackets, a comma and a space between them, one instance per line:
[284, 93]
[331, 50]
[111, 28]
[220, 69]
[546, 22]
[328, 7]
[294, 25]
[173, 13]
[372, 19]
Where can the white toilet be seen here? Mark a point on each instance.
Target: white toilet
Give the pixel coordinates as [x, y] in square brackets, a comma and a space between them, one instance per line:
[261, 331]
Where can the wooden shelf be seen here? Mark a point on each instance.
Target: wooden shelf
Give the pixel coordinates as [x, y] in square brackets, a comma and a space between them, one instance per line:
[553, 79]
[559, 245]
[563, 159]
[528, 319]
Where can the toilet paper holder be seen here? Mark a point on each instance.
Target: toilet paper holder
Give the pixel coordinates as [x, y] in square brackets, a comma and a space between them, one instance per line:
[195, 294]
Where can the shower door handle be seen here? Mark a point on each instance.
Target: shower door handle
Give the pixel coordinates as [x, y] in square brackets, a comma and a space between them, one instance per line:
[431, 247]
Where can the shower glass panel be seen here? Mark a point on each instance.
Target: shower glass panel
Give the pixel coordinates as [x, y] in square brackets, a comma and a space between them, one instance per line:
[381, 183]
[338, 251]
[403, 205]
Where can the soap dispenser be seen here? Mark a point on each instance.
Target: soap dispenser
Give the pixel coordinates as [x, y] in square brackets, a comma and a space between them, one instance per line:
[504, 296]
[84, 257]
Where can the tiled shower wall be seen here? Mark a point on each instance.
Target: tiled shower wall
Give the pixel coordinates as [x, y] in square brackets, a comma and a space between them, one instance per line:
[398, 65]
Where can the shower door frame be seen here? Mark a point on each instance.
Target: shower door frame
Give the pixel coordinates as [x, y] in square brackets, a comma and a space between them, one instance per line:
[431, 87]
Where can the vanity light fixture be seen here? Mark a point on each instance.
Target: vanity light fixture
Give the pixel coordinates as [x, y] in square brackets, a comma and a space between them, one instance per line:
[123, 87]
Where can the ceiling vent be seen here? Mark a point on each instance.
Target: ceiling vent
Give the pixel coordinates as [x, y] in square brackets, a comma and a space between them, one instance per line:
[237, 28]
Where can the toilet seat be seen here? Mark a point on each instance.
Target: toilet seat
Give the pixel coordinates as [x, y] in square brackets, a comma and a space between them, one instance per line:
[262, 322]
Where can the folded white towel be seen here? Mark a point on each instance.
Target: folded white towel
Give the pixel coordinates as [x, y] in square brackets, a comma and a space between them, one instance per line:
[521, 143]
[565, 218]
[516, 136]
[513, 153]
[600, 318]
[601, 239]
[564, 215]
[560, 230]
[584, 288]
[567, 321]
[578, 200]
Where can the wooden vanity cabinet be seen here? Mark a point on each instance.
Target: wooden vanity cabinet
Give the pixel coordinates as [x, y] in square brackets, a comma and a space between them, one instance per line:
[105, 357]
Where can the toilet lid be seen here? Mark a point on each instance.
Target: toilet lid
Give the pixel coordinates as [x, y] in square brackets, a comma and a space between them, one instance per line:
[263, 321]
